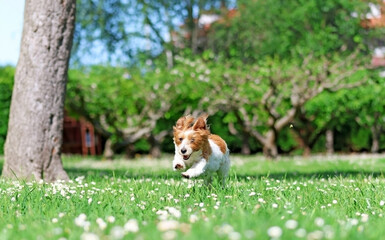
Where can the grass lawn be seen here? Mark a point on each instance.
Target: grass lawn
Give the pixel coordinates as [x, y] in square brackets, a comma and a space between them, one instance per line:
[291, 198]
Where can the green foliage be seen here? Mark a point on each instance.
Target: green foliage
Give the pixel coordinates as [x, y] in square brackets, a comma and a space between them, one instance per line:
[248, 78]
[350, 112]
[6, 85]
[289, 28]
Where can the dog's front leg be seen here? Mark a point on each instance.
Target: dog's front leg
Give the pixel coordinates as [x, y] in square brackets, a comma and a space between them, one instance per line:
[196, 170]
[178, 163]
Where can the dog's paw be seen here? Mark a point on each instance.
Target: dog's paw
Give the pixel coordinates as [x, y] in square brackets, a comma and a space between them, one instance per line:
[178, 167]
[185, 175]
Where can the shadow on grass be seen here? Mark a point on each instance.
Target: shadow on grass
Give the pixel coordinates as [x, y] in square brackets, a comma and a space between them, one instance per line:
[165, 174]
[312, 175]
[127, 173]
[140, 174]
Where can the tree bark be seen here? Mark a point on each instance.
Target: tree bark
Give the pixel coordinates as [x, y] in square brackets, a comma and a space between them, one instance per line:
[130, 151]
[155, 150]
[303, 143]
[375, 138]
[245, 144]
[33, 145]
[109, 151]
[329, 142]
[270, 148]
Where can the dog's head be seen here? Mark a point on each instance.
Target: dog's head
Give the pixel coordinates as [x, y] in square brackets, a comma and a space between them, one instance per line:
[190, 136]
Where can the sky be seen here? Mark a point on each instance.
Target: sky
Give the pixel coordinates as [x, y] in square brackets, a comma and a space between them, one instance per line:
[11, 27]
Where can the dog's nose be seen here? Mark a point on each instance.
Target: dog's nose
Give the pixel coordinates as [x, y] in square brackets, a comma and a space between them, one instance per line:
[183, 150]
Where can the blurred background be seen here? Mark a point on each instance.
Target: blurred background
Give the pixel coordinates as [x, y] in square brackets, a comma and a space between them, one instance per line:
[276, 77]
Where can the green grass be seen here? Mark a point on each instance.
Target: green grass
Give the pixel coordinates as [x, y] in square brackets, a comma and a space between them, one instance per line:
[315, 198]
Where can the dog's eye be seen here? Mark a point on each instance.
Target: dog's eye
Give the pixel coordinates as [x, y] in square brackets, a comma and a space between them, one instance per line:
[192, 140]
[181, 139]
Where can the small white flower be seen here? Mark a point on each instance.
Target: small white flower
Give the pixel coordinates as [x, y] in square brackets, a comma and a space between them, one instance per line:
[61, 215]
[55, 220]
[169, 235]
[382, 203]
[353, 221]
[193, 218]
[274, 232]
[319, 222]
[315, 235]
[86, 226]
[335, 202]
[252, 194]
[131, 226]
[174, 212]
[300, 233]
[110, 219]
[167, 225]
[234, 236]
[80, 220]
[117, 232]
[225, 229]
[101, 223]
[274, 205]
[364, 217]
[89, 236]
[291, 224]
[162, 214]
[89, 200]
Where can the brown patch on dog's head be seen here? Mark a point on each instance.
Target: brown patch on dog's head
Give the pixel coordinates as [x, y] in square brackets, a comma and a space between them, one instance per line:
[201, 135]
[201, 123]
[181, 125]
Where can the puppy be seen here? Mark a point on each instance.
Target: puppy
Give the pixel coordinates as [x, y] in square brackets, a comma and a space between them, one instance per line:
[198, 152]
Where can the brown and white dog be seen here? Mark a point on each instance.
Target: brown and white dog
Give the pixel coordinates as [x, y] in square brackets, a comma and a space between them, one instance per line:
[198, 152]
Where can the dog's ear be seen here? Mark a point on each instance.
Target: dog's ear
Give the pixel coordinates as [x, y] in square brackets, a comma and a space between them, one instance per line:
[183, 123]
[201, 123]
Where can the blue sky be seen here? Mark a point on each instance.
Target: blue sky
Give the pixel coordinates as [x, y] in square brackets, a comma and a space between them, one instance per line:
[11, 27]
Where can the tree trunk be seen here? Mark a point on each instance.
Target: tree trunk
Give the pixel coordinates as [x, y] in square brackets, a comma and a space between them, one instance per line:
[245, 144]
[154, 146]
[270, 148]
[130, 151]
[303, 143]
[329, 142]
[109, 152]
[33, 145]
[375, 138]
